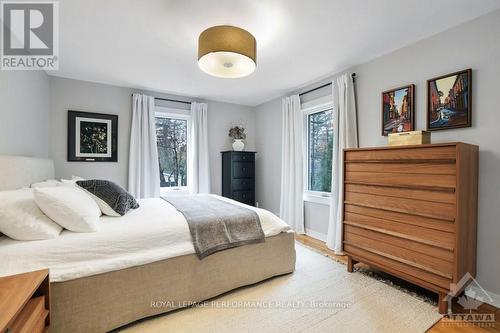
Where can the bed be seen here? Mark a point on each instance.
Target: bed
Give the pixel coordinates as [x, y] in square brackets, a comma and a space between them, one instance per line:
[135, 266]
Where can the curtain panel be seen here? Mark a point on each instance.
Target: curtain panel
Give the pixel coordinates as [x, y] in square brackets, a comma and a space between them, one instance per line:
[144, 170]
[198, 158]
[292, 156]
[346, 136]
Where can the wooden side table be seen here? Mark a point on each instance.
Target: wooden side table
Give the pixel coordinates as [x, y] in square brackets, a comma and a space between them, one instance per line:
[25, 302]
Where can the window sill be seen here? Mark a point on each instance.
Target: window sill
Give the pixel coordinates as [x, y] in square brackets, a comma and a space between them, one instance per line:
[174, 191]
[319, 198]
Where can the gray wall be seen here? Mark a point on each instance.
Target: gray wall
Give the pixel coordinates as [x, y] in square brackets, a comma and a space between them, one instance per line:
[268, 158]
[68, 94]
[24, 113]
[316, 219]
[222, 116]
[471, 45]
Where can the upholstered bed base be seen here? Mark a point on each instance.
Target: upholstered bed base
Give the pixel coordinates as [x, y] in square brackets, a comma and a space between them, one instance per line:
[107, 301]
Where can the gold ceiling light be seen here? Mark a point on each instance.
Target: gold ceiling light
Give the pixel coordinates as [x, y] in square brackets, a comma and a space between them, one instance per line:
[226, 51]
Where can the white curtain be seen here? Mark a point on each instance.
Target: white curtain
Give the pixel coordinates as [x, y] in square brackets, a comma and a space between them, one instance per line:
[291, 203]
[346, 136]
[144, 170]
[198, 161]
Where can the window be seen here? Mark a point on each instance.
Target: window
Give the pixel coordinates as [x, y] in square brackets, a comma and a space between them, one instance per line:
[319, 127]
[172, 141]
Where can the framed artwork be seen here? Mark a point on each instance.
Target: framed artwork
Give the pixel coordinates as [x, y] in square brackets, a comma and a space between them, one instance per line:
[92, 137]
[449, 101]
[398, 107]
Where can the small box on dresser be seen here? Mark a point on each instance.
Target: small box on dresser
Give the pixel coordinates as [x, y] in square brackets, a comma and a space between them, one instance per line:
[409, 138]
[25, 302]
[412, 211]
[238, 176]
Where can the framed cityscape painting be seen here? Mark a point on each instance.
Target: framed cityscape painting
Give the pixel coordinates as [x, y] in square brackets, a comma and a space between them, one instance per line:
[449, 101]
[398, 110]
[92, 137]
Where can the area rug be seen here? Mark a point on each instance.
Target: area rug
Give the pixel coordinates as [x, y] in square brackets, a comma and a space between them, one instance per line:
[320, 296]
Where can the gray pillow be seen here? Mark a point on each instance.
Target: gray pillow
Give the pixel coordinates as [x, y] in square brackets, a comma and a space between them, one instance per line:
[111, 198]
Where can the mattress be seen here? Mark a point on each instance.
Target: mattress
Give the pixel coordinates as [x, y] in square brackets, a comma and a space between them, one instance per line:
[155, 231]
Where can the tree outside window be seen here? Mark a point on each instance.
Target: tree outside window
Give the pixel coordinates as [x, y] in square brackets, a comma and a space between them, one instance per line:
[320, 148]
[171, 138]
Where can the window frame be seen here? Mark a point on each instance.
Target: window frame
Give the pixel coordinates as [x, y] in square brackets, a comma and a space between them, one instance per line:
[320, 105]
[179, 114]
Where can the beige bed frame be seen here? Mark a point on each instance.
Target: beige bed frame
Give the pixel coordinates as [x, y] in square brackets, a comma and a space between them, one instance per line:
[103, 302]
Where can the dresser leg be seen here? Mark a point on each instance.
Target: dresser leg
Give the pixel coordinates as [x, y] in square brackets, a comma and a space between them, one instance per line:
[350, 264]
[442, 303]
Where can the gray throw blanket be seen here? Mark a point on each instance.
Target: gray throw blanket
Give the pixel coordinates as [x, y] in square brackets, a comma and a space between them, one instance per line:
[217, 225]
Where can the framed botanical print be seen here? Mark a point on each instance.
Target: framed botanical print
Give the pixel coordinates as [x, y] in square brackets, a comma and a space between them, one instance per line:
[92, 137]
[449, 101]
[398, 110]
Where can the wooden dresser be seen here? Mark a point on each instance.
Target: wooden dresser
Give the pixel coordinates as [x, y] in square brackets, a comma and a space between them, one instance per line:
[238, 176]
[412, 211]
[25, 303]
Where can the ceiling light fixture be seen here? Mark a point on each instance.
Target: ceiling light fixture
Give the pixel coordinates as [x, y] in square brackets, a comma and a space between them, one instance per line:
[226, 51]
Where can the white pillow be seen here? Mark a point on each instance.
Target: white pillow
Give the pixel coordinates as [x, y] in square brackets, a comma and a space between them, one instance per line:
[71, 181]
[21, 219]
[70, 207]
[47, 183]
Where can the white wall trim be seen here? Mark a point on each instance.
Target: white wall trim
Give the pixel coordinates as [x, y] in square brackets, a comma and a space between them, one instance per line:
[172, 112]
[317, 197]
[474, 290]
[316, 235]
[317, 102]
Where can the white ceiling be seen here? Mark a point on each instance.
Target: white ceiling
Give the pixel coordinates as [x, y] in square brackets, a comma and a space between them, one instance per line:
[152, 44]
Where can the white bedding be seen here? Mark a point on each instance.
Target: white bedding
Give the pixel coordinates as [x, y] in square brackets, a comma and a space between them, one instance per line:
[153, 232]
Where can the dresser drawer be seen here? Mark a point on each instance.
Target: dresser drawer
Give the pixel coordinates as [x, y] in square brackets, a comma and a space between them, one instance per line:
[32, 317]
[432, 210]
[432, 154]
[406, 251]
[247, 197]
[396, 217]
[381, 236]
[401, 192]
[243, 184]
[402, 167]
[243, 170]
[408, 231]
[397, 267]
[411, 181]
[242, 157]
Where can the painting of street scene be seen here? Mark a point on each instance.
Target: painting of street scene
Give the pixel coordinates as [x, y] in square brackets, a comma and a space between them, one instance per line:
[397, 110]
[449, 101]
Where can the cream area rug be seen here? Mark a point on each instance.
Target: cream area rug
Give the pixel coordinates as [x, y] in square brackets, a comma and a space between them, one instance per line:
[320, 296]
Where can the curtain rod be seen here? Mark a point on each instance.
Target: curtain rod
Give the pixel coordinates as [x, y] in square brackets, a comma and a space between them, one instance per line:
[171, 100]
[325, 85]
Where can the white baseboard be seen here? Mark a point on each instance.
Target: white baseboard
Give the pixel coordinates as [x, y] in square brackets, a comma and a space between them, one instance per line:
[315, 234]
[495, 298]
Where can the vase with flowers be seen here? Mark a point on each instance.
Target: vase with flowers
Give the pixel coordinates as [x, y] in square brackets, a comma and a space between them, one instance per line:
[237, 133]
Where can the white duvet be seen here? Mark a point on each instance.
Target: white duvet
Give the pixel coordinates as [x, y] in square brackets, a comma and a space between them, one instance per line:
[153, 232]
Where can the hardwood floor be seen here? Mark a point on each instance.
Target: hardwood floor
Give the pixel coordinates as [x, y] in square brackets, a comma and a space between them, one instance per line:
[444, 325]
